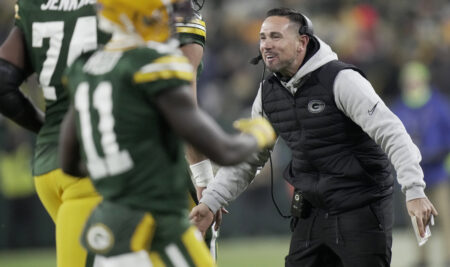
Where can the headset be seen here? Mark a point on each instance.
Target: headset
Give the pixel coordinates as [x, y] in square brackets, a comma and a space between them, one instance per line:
[307, 26]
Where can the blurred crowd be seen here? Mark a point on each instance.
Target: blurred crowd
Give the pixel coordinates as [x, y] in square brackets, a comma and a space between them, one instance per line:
[378, 36]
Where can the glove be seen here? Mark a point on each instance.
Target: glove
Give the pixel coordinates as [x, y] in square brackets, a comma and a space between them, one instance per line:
[259, 128]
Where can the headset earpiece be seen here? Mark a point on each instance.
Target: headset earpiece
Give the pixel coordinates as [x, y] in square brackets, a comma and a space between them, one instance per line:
[307, 27]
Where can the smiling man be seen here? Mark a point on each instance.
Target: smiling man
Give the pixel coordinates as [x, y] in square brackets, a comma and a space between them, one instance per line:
[342, 137]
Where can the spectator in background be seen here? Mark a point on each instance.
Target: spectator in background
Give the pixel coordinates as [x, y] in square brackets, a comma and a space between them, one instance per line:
[426, 116]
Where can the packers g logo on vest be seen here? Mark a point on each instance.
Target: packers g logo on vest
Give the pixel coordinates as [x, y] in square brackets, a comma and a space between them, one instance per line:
[316, 106]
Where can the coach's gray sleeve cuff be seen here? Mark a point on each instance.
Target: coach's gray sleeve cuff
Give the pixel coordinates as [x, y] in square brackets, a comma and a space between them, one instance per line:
[415, 192]
[211, 202]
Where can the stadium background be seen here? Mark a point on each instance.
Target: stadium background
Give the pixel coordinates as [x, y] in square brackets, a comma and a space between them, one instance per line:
[378, 36]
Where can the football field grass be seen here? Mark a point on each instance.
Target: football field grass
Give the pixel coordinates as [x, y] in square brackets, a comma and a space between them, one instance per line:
[243, 252]
[258, 252]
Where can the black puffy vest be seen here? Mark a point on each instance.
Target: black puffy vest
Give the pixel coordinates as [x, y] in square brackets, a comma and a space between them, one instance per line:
[334, 162]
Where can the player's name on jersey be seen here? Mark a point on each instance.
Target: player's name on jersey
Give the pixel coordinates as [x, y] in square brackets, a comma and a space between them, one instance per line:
[66, 5]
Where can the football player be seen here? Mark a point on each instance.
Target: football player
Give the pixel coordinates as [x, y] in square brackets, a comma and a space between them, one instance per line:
[131, 103]
[19, 58]
[48, 35]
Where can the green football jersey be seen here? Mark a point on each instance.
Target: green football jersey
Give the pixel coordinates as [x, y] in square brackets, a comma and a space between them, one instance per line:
[132, 155]
[56, 33]
[193, 31]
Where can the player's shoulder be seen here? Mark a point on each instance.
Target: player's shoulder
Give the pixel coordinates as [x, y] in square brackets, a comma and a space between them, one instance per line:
[25, 4]
[50, 9]
[55, 5]
[195, 21]
[160, 61]
[191, 31]
[154, 50]
[23, 8]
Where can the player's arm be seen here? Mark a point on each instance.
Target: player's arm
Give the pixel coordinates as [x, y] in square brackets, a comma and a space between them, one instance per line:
[192, 36]
[192, 124]
[194, 52]
[13, 103]
[69, 148]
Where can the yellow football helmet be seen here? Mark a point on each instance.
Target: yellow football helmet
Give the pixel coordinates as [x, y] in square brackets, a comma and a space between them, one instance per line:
[151, 19]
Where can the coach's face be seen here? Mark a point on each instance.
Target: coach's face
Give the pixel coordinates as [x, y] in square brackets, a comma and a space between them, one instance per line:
[281, 47]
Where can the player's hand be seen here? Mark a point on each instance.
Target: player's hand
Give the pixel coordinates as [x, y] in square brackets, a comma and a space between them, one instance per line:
[202, 217]
[259, 128]
[422, 208]
[219, 214]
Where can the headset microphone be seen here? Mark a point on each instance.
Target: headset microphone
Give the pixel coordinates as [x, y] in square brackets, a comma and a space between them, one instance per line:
[255, 60]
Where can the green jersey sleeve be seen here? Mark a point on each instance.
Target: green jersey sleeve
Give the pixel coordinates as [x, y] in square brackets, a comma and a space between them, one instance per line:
[193, 31]
[165, 72]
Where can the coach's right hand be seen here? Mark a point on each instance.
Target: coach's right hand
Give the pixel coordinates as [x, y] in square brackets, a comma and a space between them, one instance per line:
[202, 217]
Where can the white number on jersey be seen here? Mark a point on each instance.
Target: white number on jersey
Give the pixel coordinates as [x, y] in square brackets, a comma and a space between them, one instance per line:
[115, 161]
[84, 38]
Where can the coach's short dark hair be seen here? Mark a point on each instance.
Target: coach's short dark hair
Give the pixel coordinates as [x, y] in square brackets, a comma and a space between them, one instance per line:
[292, 14]
[305, 25]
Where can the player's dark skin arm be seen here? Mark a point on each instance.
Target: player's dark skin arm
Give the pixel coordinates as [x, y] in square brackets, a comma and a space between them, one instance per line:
[194, 52]
[69, 147]
[13, 103]
[193, 125]
[186, 119]
[13, 49]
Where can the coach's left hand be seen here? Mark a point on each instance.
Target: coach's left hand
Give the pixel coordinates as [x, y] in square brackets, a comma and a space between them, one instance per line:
[422, 208]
